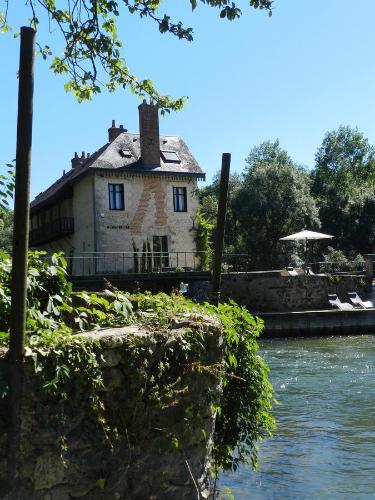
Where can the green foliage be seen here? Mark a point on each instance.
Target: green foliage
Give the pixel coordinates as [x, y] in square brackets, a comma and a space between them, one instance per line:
[149, 256]
[92, 49]
[47, 290]
[146, 257]
[266, 153]
[209, 198]
[6, 215]
[6, 185]
[243, 412]
[49, 299]
[135, 257]
[61, 358]
[203, 233]
[271, 199]
[343, 184]
[6, 230]
[275, 197]
[143, 257]
[65, 362]
[345, 162]
[274, 201]
[113, 308]
[336, 261]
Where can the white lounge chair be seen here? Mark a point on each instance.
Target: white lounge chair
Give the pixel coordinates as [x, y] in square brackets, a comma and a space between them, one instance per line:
[291, 271]
[357, 301]
[336, 302]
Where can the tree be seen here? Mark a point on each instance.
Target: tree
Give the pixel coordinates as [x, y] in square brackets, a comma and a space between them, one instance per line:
[209, 199]
[92, 49]
[345, 162]
[6, 215]
[6, 186]
[6, 230]
[343, 185]
[267, 152]
[273, 202]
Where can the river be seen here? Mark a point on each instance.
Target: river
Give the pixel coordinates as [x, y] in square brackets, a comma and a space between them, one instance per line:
[324, 445]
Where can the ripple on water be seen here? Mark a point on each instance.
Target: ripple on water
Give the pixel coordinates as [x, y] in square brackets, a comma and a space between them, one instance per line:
[324, 445]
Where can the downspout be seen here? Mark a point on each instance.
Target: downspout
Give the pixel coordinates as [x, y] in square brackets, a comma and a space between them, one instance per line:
[94, 219]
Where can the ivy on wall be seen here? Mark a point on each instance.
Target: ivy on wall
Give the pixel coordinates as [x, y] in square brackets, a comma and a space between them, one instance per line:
[203, 233]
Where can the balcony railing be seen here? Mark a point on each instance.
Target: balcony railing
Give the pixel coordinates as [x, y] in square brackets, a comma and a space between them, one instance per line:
[105, 263]
[51, 230]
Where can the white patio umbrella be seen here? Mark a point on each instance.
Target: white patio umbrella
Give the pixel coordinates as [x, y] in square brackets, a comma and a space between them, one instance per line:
[306, 235]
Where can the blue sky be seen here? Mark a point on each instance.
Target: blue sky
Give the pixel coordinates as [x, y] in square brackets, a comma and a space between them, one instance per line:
[294, 76]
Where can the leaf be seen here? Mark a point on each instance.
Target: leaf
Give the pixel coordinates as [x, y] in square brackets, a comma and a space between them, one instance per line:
[101, 483]
[117, 305]
[175, 442]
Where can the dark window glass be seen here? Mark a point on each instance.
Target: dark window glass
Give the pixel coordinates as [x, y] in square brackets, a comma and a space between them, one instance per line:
[179, 199]
[116, 196]
[170, 156]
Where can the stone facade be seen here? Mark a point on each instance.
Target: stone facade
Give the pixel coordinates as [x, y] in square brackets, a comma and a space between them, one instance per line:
[74, 215]
[148, 213]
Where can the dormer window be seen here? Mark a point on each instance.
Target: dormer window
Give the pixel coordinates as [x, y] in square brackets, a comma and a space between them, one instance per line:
[125, 153]
[170, 157]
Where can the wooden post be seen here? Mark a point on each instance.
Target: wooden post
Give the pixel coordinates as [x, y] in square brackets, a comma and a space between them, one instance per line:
[220, 229]
[20, 246]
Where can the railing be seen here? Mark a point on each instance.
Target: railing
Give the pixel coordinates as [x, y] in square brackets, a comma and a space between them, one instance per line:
[104, 263]
[349, 267]
[51, 230]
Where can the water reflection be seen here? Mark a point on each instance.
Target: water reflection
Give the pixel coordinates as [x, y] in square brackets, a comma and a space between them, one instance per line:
[324, 444]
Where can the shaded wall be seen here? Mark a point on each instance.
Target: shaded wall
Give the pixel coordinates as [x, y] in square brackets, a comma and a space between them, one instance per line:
[274, 292]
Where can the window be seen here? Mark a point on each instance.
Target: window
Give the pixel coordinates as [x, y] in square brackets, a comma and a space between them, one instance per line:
[179, 199]
[116, 196]
[160, 251]
[125, 153]
[170, 156]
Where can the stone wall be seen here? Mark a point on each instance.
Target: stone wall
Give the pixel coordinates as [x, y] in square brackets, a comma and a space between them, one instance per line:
[159, 450]
[148, 212]
[274, 292]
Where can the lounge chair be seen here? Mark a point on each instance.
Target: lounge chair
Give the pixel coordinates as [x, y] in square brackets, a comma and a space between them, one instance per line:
[358, 302]
[336, 302]
[291, 271]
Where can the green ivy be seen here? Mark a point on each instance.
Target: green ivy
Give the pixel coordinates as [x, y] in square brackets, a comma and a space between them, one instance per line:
[62, 358]
[203, 233]
[243, 413]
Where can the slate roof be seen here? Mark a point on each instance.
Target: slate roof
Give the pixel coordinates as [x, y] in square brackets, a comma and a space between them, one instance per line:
[109, 157]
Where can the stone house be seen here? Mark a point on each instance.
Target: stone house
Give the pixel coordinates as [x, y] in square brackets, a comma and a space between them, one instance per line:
[136, 194]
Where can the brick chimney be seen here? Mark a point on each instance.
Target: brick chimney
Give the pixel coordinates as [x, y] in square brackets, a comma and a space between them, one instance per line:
[78, 161]
[114, 131]
[149, 134]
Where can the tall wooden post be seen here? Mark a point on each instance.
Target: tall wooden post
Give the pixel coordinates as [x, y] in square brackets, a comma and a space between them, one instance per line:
[220, 229]
[20, 245]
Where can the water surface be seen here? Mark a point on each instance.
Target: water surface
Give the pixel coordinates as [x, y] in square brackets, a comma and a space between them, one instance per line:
[324, 445]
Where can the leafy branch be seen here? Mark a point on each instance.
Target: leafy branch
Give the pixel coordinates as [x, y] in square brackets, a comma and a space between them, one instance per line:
[92, 49]
[7, 186]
